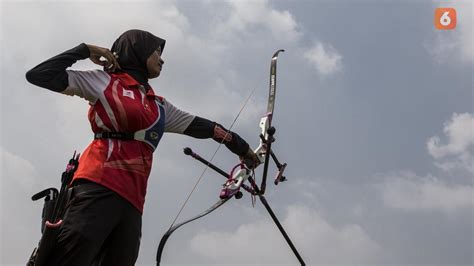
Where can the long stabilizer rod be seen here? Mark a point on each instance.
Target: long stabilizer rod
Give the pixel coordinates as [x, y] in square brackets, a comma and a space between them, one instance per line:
[188, 151]
[278, 224]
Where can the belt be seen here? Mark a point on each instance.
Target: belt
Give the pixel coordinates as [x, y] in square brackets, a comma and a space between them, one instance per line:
[115, 135]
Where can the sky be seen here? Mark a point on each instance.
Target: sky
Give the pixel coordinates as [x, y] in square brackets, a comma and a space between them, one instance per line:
[374, 116]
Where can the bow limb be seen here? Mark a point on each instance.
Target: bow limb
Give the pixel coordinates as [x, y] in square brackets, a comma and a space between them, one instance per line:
[176, 226]
[272, 91]
[266, 135]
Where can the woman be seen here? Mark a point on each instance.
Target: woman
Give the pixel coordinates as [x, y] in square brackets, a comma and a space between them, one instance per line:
[103, 220]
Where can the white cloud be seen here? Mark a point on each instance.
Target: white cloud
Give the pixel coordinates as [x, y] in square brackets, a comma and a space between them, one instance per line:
[409, 192]
[458, 43]
[324, 58]
[248, 16]
[316, 239]
[457, 152]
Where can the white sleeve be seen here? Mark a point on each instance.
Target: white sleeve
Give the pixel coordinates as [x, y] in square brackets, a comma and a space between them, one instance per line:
[176, 120]
[87, 84]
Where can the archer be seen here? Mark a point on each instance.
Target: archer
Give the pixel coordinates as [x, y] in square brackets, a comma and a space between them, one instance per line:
[103, 219]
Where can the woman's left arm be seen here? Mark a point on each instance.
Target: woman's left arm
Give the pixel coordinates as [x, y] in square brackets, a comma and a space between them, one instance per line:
[204, 129]
[198, 127]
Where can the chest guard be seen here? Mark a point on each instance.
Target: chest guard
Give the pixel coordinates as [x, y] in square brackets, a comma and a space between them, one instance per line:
[151, 135]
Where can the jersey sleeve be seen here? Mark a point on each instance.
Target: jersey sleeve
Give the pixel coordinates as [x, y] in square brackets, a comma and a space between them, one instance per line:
[51, 74]
[87, 84]
[176, 120]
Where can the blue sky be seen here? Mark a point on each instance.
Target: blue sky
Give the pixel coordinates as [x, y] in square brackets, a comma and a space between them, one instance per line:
[374, 115]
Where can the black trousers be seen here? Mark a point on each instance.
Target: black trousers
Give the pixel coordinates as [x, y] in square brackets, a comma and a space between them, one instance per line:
[99, 228]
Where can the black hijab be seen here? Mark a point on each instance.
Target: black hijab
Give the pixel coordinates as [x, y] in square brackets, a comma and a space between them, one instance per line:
[133, 48]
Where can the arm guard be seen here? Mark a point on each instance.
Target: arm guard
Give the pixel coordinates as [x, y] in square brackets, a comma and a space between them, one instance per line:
[202, 128]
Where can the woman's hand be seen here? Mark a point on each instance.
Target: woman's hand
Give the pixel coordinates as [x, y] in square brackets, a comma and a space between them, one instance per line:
[250, 159]
[96, 53]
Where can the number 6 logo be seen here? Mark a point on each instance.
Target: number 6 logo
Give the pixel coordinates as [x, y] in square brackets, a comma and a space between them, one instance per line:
[445, 18]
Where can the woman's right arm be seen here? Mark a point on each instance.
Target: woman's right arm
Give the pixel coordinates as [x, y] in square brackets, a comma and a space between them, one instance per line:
[51, 74]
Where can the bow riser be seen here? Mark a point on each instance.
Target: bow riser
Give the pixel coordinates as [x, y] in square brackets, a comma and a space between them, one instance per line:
[238, 178]
[265, 123]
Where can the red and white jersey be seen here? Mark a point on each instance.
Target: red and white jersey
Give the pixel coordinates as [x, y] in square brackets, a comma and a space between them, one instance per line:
[120, 104]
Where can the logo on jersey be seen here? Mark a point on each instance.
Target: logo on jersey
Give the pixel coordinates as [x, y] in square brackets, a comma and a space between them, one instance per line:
[128, 94]
[154, 135]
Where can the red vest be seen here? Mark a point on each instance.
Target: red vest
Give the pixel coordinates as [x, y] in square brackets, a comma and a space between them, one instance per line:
[123, 166]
